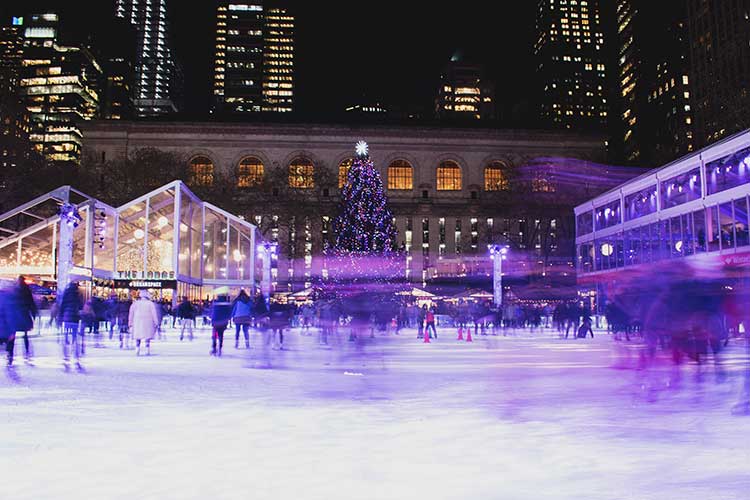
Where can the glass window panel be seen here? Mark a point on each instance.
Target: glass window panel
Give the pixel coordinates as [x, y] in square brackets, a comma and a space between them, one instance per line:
[585, 223]
[250, 172]
[726, 221]
[104, 240]
[36, 251]
[619, 251]
[681, 189]
[586, 257]
[201, 171]
[9, 258]
[728, 172]
[196, 240]
[666, 240]
[160, 245]
[235, 253]
[655, 233]
[740, 222]
[676, 242]
[608, 215]
[713, 231]
[400, 175]
[495, 178]
[344, 167]
[215, 246]
[79, 240]
[640, 203]
[633, 250]
[449, 176]
[699, 230]
[646, 250]
[131, 238]
[301, 174]
[189, 216]
[688, 239]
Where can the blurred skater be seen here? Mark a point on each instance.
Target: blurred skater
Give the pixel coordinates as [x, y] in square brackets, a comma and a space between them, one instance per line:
[143, 321]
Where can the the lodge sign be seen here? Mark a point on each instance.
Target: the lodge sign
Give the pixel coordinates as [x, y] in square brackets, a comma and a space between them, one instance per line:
[145, 275]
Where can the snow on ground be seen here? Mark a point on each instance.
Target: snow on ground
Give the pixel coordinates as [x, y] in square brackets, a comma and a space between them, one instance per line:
[518, 417]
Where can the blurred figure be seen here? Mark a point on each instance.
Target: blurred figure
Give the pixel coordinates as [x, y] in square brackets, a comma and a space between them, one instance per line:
[186, 312]
[278, 320]
[123, 315]
[421, 315]
[110, 308]
[7, 331]
[429, 319]
[24, 314]
[143, 321]
[586, 325]
[242, 316]
[221, 312]
[69, 317]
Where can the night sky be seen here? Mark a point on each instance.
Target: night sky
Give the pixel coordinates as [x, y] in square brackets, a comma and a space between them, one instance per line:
[391, 51]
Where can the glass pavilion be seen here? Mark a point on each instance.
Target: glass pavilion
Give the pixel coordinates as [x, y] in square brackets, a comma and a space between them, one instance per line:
[165, 240]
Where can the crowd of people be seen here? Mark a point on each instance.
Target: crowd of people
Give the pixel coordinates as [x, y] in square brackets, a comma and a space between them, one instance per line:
[661, 322]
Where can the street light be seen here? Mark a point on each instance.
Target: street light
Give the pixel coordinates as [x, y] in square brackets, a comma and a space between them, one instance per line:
[498, 254]
[267, 251]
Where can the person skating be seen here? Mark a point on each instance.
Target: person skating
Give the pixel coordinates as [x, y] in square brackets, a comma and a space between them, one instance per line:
[7, 332]
[24, 313]
[221, 312]
[242, 316]
[279, 319]
[69, 316]
[186, 312]
[143, 321]
[429, 320]
[123, 313]
[421, 315]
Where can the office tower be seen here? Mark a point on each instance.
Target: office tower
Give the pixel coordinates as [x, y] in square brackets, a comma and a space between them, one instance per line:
[465, 92]
[59, 86]
[11, 49]
[657, 118]
[117, 49]
[254, 59]
[278, 60]
[158, 81]
[719, 34]
[238, 61]
[570, 64]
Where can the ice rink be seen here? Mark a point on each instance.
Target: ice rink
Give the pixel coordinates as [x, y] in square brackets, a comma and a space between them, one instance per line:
[518, 417]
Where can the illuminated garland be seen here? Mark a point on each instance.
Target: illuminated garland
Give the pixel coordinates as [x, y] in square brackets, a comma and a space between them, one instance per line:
[363, 252]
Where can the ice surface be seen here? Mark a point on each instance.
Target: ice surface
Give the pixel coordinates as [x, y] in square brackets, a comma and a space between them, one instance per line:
[518, 417]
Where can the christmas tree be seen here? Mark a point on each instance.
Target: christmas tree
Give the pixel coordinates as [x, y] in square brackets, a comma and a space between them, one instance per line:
[364, 249]
[364, 224]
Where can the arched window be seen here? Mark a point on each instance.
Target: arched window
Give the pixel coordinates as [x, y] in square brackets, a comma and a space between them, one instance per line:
[400, 175]
[201, 171]
[495, 178]
[449, 176]
[301, 174]
[250, 172]
[344, 167]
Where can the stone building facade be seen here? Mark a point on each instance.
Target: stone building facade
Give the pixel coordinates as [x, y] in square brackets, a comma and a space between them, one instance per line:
[452, 191]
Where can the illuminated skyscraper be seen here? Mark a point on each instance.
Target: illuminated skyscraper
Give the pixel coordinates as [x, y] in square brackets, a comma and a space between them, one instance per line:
[278, 60]
[657, 118]
[14, 119]
[59, 86]
[253, 58]
[158, 80]
[570, 64]
[719, 32]
[464, 92]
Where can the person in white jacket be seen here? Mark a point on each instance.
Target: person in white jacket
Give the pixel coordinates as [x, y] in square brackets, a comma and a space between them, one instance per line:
[143, 321]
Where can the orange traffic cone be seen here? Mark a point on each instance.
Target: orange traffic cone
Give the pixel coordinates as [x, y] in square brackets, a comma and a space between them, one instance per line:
[468, 335]
[460, 333]
[426, 337]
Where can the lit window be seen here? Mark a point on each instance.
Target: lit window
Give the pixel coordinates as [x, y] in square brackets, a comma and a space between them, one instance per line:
[494, 177]
[250, 172]
[449, 176]
[344, 167]
[400, 175]
[301, 172]
[201, 171]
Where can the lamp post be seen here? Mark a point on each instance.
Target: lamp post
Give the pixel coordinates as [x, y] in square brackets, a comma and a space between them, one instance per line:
[498, 254]
[267, 251]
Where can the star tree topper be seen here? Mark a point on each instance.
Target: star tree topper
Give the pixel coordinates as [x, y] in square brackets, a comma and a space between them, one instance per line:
[361, 149]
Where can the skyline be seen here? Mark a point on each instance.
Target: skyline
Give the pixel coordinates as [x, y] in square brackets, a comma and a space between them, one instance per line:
[401, 70]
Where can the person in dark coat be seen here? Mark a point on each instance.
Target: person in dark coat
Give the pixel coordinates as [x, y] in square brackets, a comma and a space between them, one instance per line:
[69, 316]
[186, 312]
[221, 312]
[7, 332]
[123, 315]
[279, 316]
[24, 313]
[242, 316]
